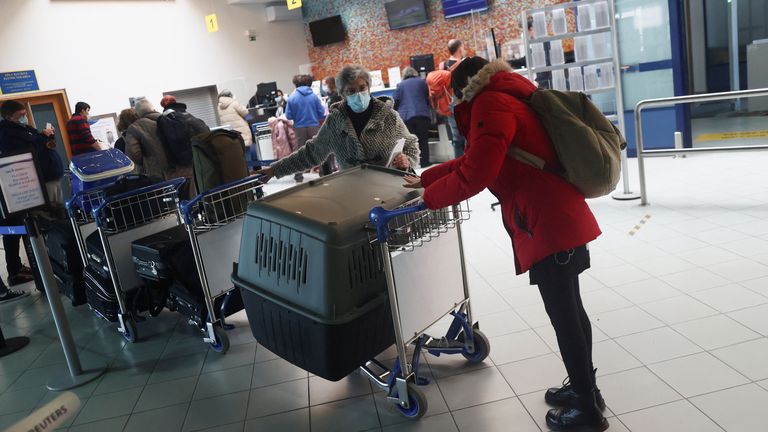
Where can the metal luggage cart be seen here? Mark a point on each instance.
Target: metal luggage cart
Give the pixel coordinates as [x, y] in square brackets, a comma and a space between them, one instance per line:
[121, 219]
[214, 221]
[411, 240]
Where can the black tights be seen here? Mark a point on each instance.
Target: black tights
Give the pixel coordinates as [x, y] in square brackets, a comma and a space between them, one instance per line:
[562, 300]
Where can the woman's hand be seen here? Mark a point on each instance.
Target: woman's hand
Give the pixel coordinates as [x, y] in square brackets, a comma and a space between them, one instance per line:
[401, 162]
[412, 182]
[267, 172]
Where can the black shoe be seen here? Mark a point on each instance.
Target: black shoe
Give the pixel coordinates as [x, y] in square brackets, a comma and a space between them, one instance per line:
[583, 416]
[565, 396]
[13, 295]
[20, 278]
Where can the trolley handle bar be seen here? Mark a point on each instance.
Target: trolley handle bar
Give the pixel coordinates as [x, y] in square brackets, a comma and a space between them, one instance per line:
[187, 207]
[176, 183]
[380, 218]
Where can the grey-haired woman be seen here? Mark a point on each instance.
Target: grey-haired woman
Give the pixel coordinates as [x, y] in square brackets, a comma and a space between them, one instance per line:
[358, 130]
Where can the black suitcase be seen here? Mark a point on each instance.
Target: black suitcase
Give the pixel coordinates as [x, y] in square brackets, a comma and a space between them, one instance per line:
[62, 246]
[71, 285]
[150, 254]
[191, 303]
[97, 259]
[101, 294]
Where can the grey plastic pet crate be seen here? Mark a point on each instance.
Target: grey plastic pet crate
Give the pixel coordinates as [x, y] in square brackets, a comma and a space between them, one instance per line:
[312, 283]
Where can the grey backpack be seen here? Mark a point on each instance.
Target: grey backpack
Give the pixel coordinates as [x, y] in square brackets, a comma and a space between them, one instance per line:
[587, 144]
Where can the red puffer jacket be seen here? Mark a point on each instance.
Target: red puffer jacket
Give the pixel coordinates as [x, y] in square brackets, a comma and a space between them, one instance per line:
[542, 212]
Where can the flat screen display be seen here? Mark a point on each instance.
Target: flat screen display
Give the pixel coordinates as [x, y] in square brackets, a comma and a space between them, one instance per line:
[406, 13]
[327, 31]
[454, 8]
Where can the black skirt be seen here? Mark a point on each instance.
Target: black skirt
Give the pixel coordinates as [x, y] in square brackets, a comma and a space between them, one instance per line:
[561, 265]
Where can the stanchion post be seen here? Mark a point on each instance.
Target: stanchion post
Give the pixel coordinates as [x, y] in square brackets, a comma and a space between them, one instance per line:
[77, 376]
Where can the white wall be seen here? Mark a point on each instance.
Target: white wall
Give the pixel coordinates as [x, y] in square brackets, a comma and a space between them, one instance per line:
[104, 51]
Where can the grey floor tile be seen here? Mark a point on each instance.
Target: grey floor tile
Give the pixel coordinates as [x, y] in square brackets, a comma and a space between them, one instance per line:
[487, 385]
[508, 415]
[112, 424]
[278, 398]
[232, 427]
[238, 355]
[357, 414]
[223, 382]
[185, 347]
[680, 416]
[158, 395]
[123, 376]
[18, 362]
[293, 421]
[217, 411]
[20, 400]
[108, 405]
[737, 409]
[166, 419]
[8, 420]
[8, 379]
[437, 423]
[168, 369]
[274, 372]
[263, 354]
[323, 391]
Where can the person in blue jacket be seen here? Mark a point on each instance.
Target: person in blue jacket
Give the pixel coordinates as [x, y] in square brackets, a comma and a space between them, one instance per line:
[307, 112]
[412, 103]
[17, 136]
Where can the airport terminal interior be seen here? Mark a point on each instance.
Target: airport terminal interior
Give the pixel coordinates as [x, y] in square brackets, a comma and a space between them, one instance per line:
[289, 292]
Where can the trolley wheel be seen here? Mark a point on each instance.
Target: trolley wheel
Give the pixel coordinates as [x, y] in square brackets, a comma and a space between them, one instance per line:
[130, 332]
[482, 347]
[417, 401]
[221, 345]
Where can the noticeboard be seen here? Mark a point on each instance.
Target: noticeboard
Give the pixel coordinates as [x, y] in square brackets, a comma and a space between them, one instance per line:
[21, 185]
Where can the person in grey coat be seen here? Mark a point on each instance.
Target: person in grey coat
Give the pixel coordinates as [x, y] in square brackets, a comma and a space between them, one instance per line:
[142, 143]
[358, 130]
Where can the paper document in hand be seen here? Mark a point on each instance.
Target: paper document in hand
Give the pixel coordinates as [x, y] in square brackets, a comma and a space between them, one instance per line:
[397, 149]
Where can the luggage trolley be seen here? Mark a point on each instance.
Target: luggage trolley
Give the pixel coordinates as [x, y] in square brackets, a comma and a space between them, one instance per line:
[214, 222]
[125, 217]
[411, 238]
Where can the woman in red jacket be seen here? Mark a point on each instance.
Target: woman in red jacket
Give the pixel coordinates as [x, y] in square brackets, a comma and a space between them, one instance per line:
[547, 218]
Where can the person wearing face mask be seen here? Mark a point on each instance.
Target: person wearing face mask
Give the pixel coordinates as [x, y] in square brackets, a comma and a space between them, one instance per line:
[17, 136]
[359, 130]
[80, 138]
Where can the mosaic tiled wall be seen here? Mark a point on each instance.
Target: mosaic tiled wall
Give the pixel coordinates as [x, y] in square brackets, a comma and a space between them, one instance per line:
[371, 43]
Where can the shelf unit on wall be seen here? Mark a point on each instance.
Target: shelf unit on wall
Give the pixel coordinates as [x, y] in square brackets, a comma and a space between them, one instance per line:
[586, 59]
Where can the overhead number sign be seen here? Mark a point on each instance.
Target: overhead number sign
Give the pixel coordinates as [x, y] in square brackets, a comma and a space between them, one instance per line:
[212, 23]
[293, 4]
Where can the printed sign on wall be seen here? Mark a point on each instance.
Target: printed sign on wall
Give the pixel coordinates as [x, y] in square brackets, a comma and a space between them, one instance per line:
[18, 82]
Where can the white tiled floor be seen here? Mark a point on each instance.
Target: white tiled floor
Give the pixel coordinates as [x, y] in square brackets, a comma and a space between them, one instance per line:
[679, 311]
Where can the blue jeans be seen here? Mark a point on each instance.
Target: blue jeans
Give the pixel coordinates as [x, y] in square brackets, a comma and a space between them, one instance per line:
[458, 140]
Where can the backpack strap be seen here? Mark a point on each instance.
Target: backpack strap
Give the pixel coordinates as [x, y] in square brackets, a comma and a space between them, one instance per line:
[526, 157]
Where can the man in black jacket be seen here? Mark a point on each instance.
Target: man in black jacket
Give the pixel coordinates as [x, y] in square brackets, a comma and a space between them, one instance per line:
[15, 136]
[176, 127]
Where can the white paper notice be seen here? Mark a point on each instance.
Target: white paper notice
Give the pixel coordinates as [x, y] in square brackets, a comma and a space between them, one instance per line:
[394, 76]
[397, 149]
[377, 82]
[20, 184]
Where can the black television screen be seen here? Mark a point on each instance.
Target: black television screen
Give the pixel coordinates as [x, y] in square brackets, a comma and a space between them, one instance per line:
[406, 13]
[327, 31]
[423, 63]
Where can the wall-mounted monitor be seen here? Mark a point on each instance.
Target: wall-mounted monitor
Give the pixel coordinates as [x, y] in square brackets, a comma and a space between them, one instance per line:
[406, 13]
[327, 31]
[423, 63]
[455, 8]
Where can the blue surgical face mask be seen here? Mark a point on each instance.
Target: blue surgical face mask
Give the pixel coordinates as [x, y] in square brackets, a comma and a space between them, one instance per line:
[23, 120]
[359, 102]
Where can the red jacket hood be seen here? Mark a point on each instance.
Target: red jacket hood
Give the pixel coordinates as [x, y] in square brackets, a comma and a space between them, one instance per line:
[498, 76]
